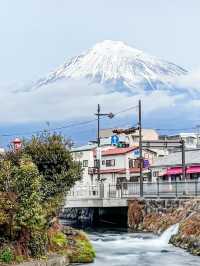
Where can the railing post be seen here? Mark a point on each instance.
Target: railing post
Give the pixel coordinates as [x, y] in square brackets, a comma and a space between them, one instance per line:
[176, 188]
[121, 188]
[101, 185]
[158, 192]
[196, 186]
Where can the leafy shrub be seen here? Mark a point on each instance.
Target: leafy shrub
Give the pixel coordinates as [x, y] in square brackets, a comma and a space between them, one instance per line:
[38, 244]
[84, 252]
[6, 255]
[33, 184]
[19, 259]
[59, 240]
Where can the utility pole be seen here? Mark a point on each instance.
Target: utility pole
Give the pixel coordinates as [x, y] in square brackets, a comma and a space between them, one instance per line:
[98, 125]
[99, 114]
[98, 144]
[183, 159]
[140, 146]
[197, 134]
[133, 130]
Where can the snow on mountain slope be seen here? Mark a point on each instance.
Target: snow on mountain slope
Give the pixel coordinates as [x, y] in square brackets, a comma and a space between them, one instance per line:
[119, 67]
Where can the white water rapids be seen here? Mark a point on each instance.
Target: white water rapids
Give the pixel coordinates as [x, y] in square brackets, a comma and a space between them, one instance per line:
[120, 248]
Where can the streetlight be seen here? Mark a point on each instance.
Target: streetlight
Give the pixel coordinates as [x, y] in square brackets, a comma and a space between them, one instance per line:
[99, 114]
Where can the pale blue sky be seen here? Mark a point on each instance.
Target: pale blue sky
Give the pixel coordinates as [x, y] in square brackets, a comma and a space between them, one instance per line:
[38, 35]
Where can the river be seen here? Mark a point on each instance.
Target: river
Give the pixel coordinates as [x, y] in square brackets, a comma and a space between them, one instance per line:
[121, 248]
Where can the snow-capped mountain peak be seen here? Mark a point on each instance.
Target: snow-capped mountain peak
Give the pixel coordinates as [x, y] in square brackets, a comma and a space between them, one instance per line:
[119, 66]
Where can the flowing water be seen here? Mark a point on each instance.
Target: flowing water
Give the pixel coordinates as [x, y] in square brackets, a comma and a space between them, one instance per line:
[120, 248]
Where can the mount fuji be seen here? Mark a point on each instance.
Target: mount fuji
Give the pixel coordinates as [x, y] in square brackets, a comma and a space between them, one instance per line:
[117, 66]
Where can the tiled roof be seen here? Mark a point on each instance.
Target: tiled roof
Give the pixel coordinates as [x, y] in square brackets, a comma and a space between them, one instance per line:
[116, 151]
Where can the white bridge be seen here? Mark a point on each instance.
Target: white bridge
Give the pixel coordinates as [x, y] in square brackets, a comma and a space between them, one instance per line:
[104, 195]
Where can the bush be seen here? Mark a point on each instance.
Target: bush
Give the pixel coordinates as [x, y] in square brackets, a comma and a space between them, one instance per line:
[19, 259]
[6, 255]
[33, 184]
[58, 240]
[84, 252]
[38, 244]
[81, 250]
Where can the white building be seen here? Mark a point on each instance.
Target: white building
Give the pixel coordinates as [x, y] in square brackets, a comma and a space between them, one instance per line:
[192, 140]
[116, 164]
[133, 138]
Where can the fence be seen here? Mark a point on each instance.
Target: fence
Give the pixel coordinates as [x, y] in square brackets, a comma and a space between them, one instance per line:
[86, 192]
[175, 189]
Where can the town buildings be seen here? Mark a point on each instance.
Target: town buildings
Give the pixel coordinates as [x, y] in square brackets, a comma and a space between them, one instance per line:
[118, 163]
[170, 167]
[192, 140]
[133, 138]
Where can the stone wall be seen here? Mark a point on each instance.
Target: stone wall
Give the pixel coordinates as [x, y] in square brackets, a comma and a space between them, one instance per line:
[140, 210]
[157, 215]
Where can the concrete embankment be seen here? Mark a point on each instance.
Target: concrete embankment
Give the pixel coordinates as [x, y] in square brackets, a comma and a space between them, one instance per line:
[157, 215]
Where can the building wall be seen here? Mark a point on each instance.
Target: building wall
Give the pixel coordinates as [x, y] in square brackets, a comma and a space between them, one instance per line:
[83, 157]
[133, 139]
[121, 162]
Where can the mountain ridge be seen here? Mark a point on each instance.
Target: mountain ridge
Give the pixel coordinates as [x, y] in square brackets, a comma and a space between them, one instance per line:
[118, 66]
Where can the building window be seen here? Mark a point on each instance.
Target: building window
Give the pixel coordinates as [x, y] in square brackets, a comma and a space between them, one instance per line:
[103, 162]
[85, 163]
[110, 163]
[135, 138]
[137, 163]
[131, 163]
[189, 140]
[96, 163]
[156, 173]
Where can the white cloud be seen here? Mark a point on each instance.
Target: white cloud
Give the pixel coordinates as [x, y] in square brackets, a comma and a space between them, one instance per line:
[72, 100]
[191, 81]
[76, 99]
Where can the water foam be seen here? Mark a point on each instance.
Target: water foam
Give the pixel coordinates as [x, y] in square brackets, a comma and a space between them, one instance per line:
[167, 234]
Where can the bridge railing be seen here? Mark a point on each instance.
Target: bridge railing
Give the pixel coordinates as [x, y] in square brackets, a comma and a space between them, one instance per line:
[84, 192]
[162, 189]
[168, 189]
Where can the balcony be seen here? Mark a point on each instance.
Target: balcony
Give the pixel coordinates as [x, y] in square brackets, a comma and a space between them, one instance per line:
[92, 170]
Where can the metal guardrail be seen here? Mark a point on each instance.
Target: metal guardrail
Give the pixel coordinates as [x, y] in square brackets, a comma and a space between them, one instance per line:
[167, 189]
[174, 189]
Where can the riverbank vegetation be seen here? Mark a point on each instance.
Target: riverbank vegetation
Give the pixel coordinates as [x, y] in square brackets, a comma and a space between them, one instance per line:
[33, 184]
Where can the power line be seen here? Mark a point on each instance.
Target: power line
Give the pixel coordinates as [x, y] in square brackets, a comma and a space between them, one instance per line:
[69, 125]
[126, 110]
[50, 129]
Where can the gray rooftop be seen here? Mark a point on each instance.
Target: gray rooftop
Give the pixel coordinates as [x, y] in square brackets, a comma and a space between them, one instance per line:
[87, 147]
[175, 159]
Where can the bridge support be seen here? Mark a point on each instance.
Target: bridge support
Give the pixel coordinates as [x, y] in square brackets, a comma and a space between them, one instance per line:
[95, 217]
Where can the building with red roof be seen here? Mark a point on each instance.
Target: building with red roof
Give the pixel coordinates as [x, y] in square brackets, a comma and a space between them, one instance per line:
[116, 164]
